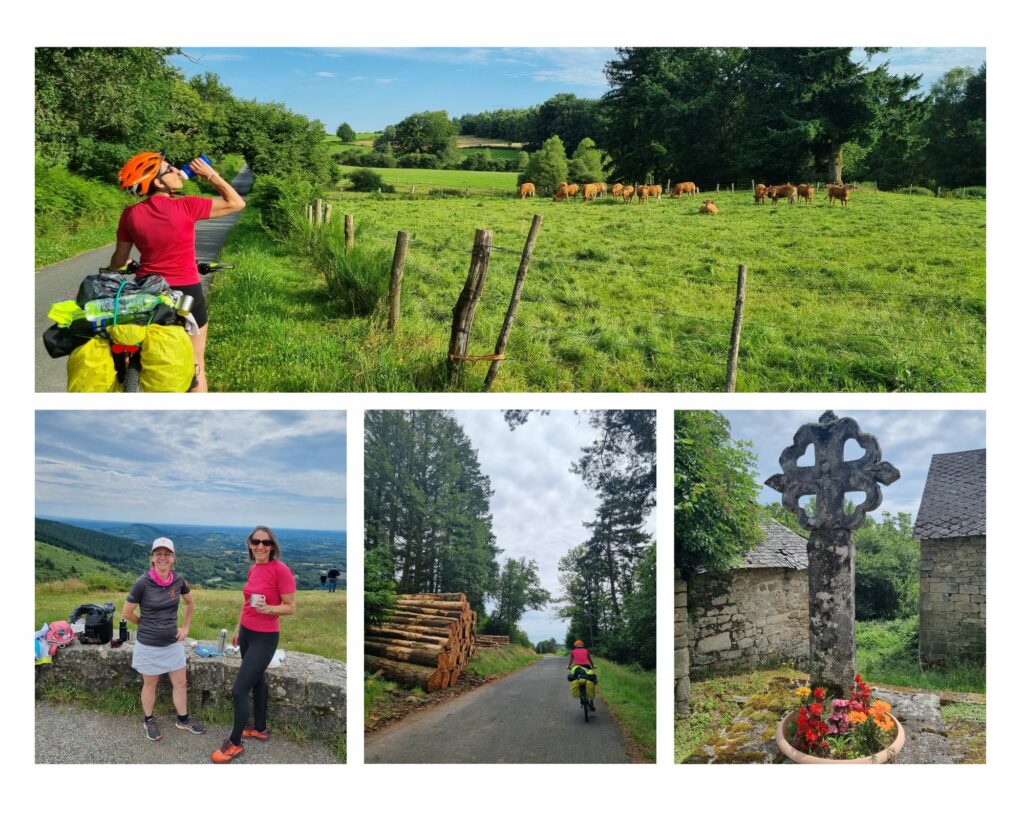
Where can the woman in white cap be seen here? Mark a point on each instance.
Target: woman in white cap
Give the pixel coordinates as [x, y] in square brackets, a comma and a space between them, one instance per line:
[152, 605]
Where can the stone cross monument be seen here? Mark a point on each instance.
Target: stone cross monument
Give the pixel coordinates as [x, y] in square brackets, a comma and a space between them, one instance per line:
[830, 550]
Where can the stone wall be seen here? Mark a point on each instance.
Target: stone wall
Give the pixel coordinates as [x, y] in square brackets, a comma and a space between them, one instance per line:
[747, 618]
[305, 690]
[682, 650]
[952, 600]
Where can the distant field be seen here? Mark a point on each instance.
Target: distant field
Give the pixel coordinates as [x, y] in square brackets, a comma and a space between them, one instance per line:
[887, 294]
[54, 563]
[317, 627]
[498, 183]
[496, 153]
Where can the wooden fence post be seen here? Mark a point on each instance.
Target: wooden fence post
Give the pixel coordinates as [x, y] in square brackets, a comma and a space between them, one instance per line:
[718, 188]
[752, 186]
[309, 214]
[327, 213]
[465, 308]
[513, 306]
[350, 231]
[732, 187]
[737, 326]
[319, 211]
[395, 289]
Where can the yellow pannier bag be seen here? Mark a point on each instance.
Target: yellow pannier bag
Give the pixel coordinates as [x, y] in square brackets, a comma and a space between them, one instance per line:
[91, 368]
[574, 689]
[127, 334]
[168, 363]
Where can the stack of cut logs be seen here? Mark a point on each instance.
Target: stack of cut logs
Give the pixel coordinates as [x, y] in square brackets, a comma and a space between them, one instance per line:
[491, 640]
[428, 641]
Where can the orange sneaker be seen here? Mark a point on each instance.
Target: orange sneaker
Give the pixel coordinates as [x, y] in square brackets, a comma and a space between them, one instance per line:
[227, 751]
[252, 733]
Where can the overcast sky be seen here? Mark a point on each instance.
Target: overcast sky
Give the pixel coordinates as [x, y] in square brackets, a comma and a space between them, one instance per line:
[373, 87]
[539, 506]
[908, 439]
[231, 468]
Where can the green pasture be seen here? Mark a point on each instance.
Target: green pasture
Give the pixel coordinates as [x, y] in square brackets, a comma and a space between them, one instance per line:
[887, 294]
[629, 694]
[496, 183]
[496, 153]
[317, 627]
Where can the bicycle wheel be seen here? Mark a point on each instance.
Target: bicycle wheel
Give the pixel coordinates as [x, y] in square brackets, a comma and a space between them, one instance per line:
[132, 375]
[586, 706]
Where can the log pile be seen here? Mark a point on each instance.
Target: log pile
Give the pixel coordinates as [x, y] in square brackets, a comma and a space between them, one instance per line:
[491, 640]
[428, 641]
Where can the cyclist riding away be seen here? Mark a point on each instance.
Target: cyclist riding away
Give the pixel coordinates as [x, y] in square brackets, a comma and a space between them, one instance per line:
[579, 657]
[162, 227]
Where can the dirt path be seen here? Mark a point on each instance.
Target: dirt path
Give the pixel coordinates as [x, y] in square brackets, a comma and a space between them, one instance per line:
[60, 281]
[65, 734]
[528, 716]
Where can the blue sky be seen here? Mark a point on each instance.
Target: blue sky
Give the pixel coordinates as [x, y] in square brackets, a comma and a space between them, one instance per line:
[373, 87]
[539, 506]
[908, 440]
[215, 467]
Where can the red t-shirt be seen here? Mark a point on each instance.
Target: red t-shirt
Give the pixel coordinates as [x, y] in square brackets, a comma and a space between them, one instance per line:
[580, 656]
[164, 231]
[271, 579]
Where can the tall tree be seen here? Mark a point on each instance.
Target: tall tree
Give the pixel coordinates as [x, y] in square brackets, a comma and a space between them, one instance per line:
[568, 117]
[518, 591]
[718, 519]
[345, 132]
[589, 163]
[428, 132]
[547, 168]
[956, 128]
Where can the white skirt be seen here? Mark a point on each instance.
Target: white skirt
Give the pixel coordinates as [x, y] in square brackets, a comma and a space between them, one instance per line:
[153, 660]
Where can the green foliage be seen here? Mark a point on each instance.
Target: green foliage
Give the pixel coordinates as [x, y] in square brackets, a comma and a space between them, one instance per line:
[547, 646]
[568, 117]
[281, 203]
[917, 190]
[956, 129]
[428, 132]
[358, 277]
[345, 133]
[887, 580]
[502, 660]
[588, 163]
[717, 517]
[277, 142]
[548, 167]
[379, 587]
[368, 181]
[518, 591]
[629, 693]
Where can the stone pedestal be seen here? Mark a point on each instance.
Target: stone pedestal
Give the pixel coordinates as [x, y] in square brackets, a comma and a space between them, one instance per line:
[830, 582]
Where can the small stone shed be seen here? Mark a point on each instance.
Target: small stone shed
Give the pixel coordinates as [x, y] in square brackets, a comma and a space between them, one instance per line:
[752, 616]
[951, 528]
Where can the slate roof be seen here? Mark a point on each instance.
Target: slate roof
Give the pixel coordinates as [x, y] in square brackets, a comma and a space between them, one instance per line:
[953, 502]
[781, 548]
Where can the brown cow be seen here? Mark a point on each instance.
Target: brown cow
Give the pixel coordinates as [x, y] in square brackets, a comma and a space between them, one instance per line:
[572, 190]
[709, 207]
[627, 194]
[602, 188]
[840, 192]
[527, 189]
[562, 191]
[689, 188]
[787, 191]
[655, 191]
[642, 192]
[760, 192]
[805, 192]
[590, 191]
[617, 189]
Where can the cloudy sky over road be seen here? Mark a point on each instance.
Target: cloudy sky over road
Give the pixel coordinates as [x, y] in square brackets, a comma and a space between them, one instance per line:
[373, 87]
[539, 506]
[286, 469]
[908, 440]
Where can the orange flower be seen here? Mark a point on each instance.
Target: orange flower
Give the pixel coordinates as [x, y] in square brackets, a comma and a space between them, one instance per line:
[857, 717]
[885, 722]
[880, 708]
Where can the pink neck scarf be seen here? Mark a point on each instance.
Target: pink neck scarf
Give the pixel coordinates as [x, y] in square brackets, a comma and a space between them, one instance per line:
[158, 580]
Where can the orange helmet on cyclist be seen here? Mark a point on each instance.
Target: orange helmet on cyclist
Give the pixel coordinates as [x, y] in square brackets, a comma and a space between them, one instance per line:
[578, 644]
[139, 172]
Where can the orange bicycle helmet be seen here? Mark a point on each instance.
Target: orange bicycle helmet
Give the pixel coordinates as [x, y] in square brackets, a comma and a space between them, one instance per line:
[578, 644]
[139, 172]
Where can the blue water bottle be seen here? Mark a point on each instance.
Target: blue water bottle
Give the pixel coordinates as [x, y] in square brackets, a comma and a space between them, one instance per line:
[188, 173]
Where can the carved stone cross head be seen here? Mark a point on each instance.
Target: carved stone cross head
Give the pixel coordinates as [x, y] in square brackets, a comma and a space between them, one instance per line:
[831, 477]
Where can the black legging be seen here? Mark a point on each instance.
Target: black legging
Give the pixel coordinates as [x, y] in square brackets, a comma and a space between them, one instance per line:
[257, 649]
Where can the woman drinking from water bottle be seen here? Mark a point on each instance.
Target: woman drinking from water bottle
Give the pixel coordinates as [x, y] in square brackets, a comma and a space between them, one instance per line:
[268, 595]
[163, 228]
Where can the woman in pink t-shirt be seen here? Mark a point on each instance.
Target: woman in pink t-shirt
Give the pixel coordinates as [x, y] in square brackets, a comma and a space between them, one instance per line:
[268, 595]
[162, 227]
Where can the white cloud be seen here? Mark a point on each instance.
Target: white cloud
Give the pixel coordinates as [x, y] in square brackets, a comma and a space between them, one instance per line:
[326, 74]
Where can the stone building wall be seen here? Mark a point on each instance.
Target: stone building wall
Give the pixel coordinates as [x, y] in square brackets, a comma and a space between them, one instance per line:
[747, 618]
[682, 650]
[952, 600]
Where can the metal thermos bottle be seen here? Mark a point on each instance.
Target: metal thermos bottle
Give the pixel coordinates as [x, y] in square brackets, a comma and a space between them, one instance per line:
[122, 631]
[188, 173]
[223, 640]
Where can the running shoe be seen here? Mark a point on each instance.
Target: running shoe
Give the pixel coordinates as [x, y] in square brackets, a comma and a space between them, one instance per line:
[252, 733]
[227, 751]
[152, 729]
[190, 725]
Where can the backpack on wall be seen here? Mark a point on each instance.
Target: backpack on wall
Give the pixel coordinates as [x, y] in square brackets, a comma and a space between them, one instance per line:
[99, 623]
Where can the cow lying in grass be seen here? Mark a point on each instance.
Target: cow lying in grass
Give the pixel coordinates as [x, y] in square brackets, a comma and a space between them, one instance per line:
[709, 207]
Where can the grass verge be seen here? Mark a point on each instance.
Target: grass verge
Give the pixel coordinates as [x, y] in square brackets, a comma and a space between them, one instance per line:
[887, 654]
[629, 694]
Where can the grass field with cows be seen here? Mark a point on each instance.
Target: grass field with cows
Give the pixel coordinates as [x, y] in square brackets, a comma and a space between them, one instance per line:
[887, 294]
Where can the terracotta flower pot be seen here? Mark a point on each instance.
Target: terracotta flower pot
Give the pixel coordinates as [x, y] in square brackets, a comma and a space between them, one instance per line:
[887, 754]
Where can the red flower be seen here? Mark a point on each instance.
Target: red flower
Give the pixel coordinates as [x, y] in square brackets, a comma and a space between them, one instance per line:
[819, 693]
[856, 678]
[816, 709]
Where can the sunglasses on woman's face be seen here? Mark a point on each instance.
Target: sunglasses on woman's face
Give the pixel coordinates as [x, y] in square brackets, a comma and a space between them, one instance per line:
[255, 541]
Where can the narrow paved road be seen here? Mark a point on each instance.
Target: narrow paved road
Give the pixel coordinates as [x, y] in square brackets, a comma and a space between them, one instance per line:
[526, 717]
[66, 735]
[61, 280]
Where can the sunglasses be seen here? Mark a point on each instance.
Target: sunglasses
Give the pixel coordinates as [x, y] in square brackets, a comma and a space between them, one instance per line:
[255, 541]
